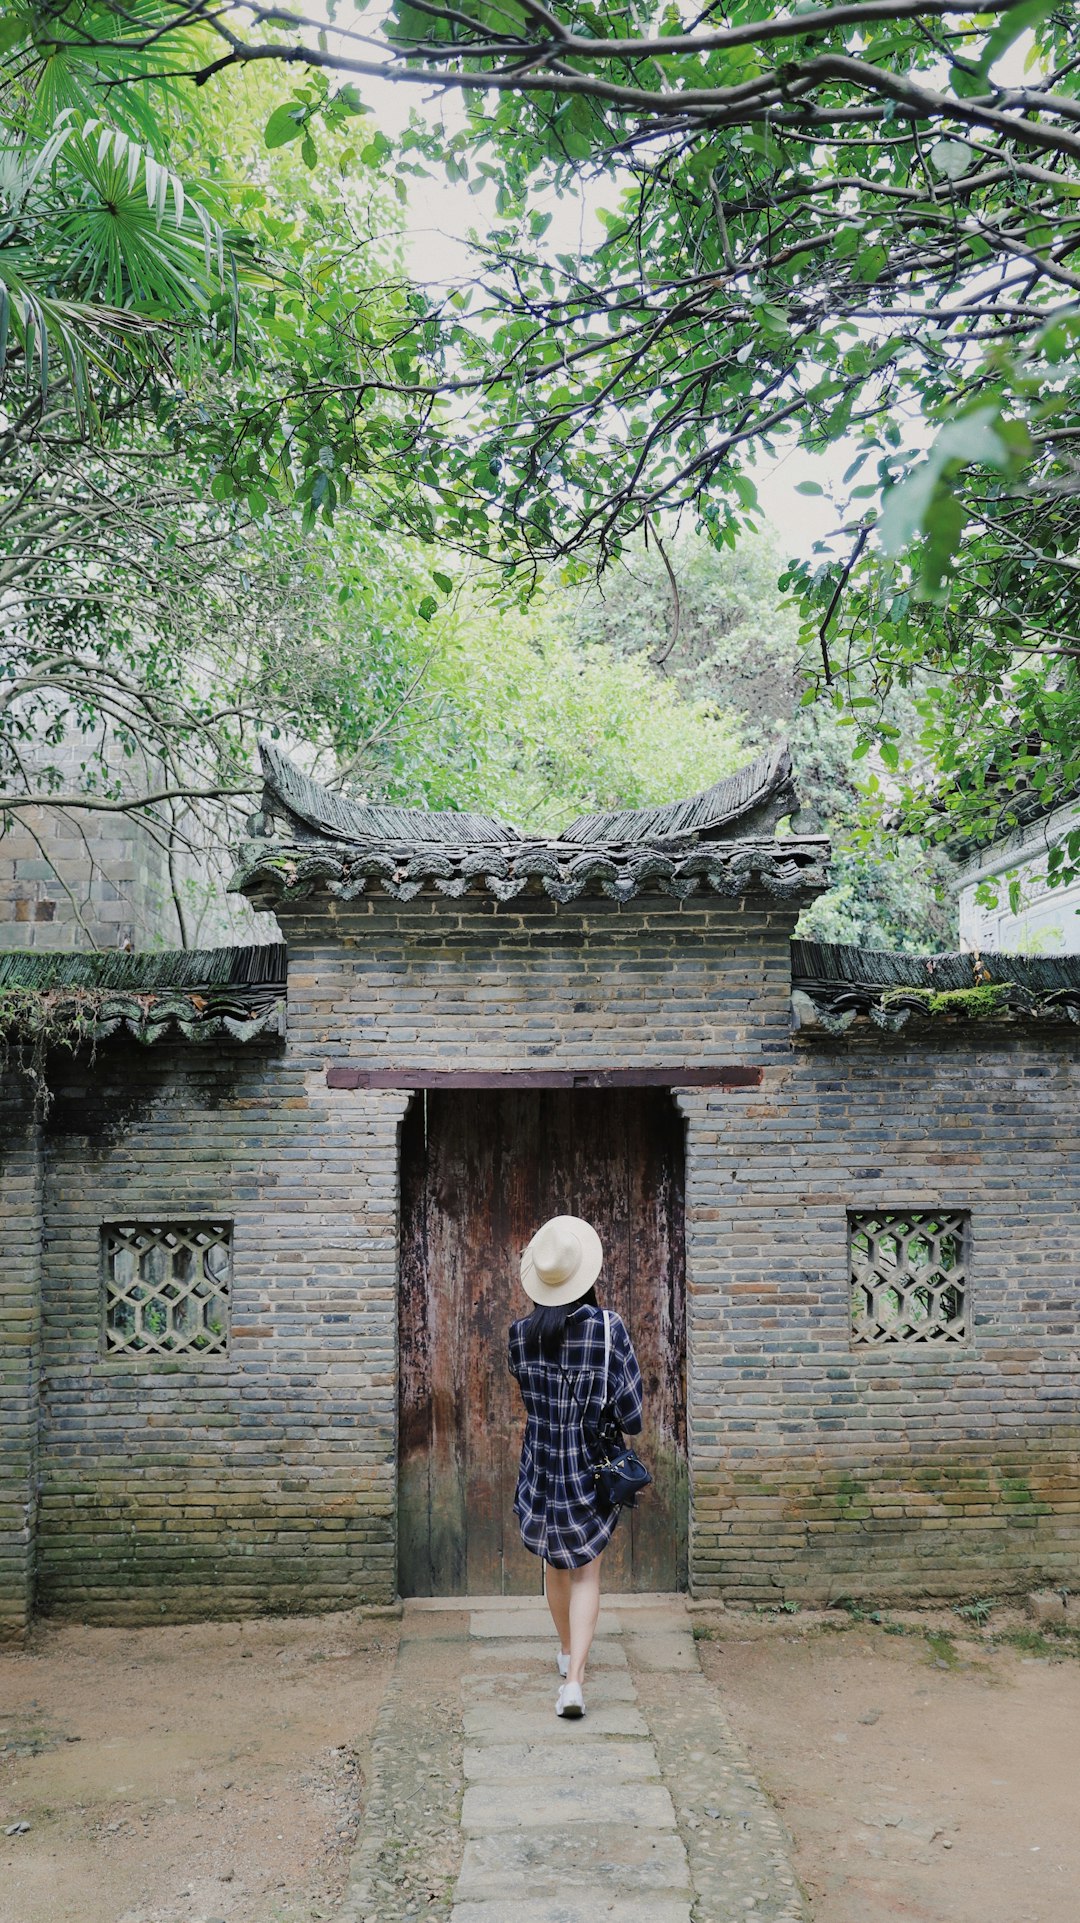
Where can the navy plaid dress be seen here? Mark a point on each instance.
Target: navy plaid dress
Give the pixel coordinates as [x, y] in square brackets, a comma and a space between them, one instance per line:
[555, 1501]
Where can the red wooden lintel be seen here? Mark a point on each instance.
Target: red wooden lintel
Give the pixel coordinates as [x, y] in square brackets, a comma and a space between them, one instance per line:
[347, 1075]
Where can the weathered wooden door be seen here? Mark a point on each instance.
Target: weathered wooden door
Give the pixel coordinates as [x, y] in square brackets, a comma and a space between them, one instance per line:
[480, 1171]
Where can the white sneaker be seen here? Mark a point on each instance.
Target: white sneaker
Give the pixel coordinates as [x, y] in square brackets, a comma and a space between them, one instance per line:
[570, 1701]
[563, 1662]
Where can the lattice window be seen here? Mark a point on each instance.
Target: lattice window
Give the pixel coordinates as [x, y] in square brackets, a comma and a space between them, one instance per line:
[908, 1275]
[167, 1287]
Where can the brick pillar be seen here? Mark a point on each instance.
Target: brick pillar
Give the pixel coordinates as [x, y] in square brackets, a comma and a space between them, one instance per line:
[20, 1354]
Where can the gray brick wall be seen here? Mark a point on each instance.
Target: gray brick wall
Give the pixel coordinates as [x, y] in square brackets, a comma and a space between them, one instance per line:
[821, 1470]
[51, 898]
[20, 1352]
[265, 1480]
[261, 1480]
[526, 985]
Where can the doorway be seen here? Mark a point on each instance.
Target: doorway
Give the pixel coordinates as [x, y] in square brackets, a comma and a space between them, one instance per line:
[480, 1171]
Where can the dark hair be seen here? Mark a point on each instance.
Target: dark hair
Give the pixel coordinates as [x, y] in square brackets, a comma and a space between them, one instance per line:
[547, 1324]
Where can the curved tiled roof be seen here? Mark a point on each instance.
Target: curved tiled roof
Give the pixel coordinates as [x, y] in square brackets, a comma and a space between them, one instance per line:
[559, 870]
[331, 816]
[201, 995]
[308, 839]
[740, 801]
[835, 987]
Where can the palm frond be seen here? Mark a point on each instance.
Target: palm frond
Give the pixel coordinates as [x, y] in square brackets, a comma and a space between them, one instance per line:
[66, 67]
[102, 245]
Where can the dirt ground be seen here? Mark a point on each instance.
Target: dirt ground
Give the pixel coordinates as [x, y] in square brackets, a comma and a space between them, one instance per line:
[929, 1772]
[186, 1775]
[928, 1769]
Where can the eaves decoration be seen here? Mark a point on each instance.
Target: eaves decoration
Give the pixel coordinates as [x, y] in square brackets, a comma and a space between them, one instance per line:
[307, 839]
[192, 995]
[837, 989]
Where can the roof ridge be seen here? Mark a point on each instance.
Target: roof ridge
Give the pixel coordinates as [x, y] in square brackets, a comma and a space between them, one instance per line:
[339, 817]
[836, 964]
[751, 799]
[748, 791]
[155, 969]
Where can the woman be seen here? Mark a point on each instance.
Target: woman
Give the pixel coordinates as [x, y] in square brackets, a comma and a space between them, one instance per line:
[558, 1356]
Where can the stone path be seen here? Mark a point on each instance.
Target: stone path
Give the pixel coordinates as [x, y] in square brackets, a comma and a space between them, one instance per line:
[484, 1807]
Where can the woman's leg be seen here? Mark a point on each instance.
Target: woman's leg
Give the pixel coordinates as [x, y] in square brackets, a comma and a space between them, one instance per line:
[557, 1591]
[584, 1610]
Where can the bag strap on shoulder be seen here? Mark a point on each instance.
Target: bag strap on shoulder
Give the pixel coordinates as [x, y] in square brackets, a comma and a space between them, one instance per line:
[607, 1352]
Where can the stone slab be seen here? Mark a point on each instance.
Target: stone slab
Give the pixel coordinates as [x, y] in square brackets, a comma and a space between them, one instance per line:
[585, 1909]
[536, 1764]
[531, 1689]
[607, 1653]
[654, 1617]
[585, 1857]
[673, 1650]
[530, 1622]
[423, 1605]
[509, 1806]
[536, 1722]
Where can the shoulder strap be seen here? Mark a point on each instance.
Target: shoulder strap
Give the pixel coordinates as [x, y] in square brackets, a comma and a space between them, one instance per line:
[607, 1350]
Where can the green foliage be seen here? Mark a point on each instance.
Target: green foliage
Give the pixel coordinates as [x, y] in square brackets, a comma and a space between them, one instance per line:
[841, 227]
[34, 1022]
[738, 645]
[173, 606]
[104, 250]
[978, 1004]
[538, 725]
[978, 1611]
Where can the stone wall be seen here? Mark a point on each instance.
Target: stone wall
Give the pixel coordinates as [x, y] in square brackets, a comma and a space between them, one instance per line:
[20, 1352]
[260, 1480]
[1047, 920]
[480, 985]
[823, 1470]
[102, 880]
[99, 882]
[265, 1479]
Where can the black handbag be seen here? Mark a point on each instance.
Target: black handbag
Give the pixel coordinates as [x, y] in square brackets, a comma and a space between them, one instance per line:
[618, 1474]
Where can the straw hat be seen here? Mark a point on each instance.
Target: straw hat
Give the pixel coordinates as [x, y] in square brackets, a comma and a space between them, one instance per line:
[562, 1261]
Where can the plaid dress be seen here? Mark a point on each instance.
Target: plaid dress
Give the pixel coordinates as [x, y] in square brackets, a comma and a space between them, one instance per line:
[555, 1501]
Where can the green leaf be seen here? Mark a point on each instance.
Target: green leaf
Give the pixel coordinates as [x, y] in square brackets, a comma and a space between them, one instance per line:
[945, 525]
[951, 158]
[285, 123]
[965, 84]
[1028, 13]
[972, 438]
[871, 262]
[348, 101]
[442, 581]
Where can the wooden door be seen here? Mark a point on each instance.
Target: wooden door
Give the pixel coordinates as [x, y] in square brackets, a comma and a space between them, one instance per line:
[480, 1171]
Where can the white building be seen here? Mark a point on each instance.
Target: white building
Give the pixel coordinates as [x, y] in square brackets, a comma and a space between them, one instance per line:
[1046, 920]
